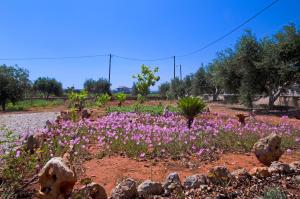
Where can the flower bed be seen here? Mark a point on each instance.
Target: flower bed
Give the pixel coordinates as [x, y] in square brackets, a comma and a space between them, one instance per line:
[144, 134]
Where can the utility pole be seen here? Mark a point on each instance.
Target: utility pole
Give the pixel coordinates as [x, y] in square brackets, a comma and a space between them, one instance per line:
[180, 72]
[174, 67]
[109, 68]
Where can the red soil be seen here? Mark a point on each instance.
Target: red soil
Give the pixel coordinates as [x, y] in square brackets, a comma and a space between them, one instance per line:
[110, 170]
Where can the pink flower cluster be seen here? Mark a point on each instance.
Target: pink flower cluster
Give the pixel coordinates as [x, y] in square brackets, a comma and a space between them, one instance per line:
[137, 134]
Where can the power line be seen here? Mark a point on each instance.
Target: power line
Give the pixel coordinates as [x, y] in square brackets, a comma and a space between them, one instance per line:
[213, 42]
[54, 58]
[231, 31]
[161, 58]
[137, 59]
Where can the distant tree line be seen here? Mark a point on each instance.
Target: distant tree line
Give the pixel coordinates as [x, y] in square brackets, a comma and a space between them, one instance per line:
[253, 68]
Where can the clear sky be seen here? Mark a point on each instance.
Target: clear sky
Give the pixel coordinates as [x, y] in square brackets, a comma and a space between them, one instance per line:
[143, 29]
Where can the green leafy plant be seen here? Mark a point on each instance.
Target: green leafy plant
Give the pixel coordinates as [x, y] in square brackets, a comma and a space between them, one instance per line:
[190, 107]
[102, 99]
[78, 99]
[121, 97]
[146, 79]
[140, 98]
[274, 193]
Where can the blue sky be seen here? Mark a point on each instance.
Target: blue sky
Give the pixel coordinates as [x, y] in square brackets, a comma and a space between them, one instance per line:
[132, 28]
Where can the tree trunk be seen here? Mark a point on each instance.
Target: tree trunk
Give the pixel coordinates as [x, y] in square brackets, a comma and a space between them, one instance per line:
[216, 94]
[273, 96]
[3, 106]
[271, 102]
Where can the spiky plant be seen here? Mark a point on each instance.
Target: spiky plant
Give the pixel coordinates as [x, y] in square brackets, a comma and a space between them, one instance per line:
[190, 107]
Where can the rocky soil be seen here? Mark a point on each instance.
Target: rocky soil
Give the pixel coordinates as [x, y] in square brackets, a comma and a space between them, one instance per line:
[26, 122]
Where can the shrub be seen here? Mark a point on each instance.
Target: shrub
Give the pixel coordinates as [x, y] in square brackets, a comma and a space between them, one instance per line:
[101, 100]
[121, 97]
[146, 79]
[190, 107]
[78, 99]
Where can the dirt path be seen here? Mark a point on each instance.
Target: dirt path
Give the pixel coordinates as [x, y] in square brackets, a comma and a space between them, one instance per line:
[26, 122]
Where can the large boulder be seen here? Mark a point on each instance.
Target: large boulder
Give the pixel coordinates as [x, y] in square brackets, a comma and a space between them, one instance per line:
[125, 190]
[149, 188]
[171, 184]
[268, 149]
[56, 179]
[194, 181]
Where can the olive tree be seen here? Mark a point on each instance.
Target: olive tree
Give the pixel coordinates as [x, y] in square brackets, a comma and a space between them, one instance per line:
[100, 86]
[14, 82]
[48, 86]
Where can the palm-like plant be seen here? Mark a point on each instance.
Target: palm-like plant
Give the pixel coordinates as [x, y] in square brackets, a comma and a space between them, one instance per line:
[190, 107]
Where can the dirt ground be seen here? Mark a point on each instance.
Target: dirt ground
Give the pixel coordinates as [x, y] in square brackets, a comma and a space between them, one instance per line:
[111, 170]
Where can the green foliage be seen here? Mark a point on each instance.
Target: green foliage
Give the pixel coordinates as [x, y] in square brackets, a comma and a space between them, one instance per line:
[48, 86]
[77, 100]
[200, 84]
[14, 83]
[17, 164]
[121, 97]
[154, 110]
[177, 89]
[141, 99]
[134, 90]
[190, 107]
[163, 89]
[274, 193]
[33, 103]
[102, 99]
[146, 79]
[100, 86]
[187, 82]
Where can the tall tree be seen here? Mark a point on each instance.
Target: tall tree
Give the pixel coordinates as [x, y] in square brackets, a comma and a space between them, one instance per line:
[188, 82]
[14, 82]
[177, 89]
[100, 86]
[48, 86]
[199, 84]
[248, 53]
[280, 62]
[164, 88]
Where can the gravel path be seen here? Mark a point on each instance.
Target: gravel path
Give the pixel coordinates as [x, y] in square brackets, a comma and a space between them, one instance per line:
[28, 122]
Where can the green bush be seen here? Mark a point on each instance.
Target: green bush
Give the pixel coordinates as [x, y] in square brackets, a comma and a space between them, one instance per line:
[77, 100]
[121, 97]
[190, 107]
[33, 103]
[102, 99]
